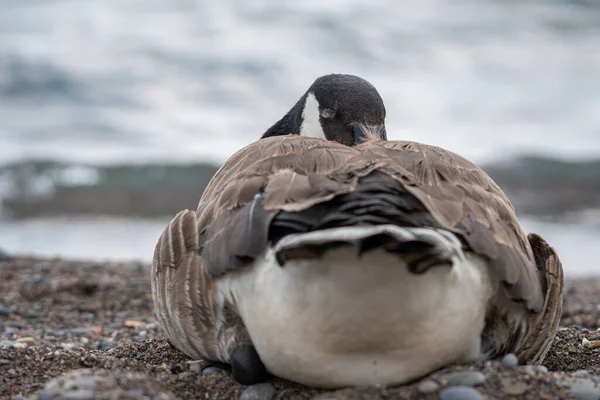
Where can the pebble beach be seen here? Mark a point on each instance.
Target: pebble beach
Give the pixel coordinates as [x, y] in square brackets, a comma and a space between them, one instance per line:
[83, 330]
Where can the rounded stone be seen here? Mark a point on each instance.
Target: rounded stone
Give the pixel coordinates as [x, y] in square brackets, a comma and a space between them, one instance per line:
[3, 310]
[211, 370]
[261, 391]
[196, 367]
[460, 393]
[427, 386]
[464, 378]
[582, 373]
[542, 369]
[585, 389]
[78, 395]
[510, 361]
[87, 382]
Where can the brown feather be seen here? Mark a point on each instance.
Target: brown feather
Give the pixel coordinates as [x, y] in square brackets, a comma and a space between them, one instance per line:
[543, 325]
[457, 193]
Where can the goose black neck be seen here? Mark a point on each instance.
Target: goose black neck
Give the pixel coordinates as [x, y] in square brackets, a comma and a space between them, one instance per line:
[289, 124]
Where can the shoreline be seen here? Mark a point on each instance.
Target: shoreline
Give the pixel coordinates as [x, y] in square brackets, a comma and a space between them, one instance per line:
[569, 189]
[94, 322]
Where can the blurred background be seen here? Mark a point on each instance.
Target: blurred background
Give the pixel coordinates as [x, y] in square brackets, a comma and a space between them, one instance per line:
[115, 114]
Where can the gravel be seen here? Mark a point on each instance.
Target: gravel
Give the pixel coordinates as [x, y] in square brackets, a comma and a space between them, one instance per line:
[75, 329]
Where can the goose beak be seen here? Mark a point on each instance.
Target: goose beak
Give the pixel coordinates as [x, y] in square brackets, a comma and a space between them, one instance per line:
[363, 133]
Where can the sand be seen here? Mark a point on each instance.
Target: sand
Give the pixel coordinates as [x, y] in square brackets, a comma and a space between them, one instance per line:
[77, 330]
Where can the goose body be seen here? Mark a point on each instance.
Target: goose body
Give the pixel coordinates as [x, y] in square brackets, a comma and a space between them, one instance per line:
[336, 266]
[342, 320]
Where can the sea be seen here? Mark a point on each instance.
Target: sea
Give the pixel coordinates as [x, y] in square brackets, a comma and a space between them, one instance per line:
[105, 82]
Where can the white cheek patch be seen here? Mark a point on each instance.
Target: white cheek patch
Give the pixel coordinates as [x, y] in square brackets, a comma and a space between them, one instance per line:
[311, 124]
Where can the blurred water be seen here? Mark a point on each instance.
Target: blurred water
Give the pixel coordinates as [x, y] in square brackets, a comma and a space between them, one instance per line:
[186, 80]
[116, 239]
[180, 80]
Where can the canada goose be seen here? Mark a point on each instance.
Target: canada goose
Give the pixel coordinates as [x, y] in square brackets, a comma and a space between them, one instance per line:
[334, 266]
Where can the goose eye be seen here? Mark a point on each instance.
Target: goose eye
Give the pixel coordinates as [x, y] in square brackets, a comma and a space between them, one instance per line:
[327, 113]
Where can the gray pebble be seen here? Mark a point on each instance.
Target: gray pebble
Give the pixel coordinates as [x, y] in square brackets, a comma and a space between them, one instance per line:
[87, 382]
[81, 331]
[105, 345]
[78, 395]
[3, 310]
[582, 373]
[585, 389]
[465, 378]
[186, 374]
[510, 361]
[261, 391]
[196, 367]
[460, 393]
[541, 368]
[44, 396]
[427, 386]
[211, 370]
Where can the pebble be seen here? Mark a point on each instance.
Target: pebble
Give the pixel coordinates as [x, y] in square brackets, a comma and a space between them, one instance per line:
[261, 391]
[8, 344]
[196, 367]
[4, 362]
[542, 369]
[460, 393]
[45, 396]
[105, 345]
[10, 330]
[427, 386]
[463, 378]
[33, 315]
[512, 388]
[130, 323]
[75, 331]
[582, 373]
[211, 370]
[584, 389]
[28, 341]
[510, 361]
[3, 310]
[87, 382]
[186, 374]
[78, 395]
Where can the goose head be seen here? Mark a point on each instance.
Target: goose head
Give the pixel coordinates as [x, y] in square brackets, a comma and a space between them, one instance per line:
[338, 107]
